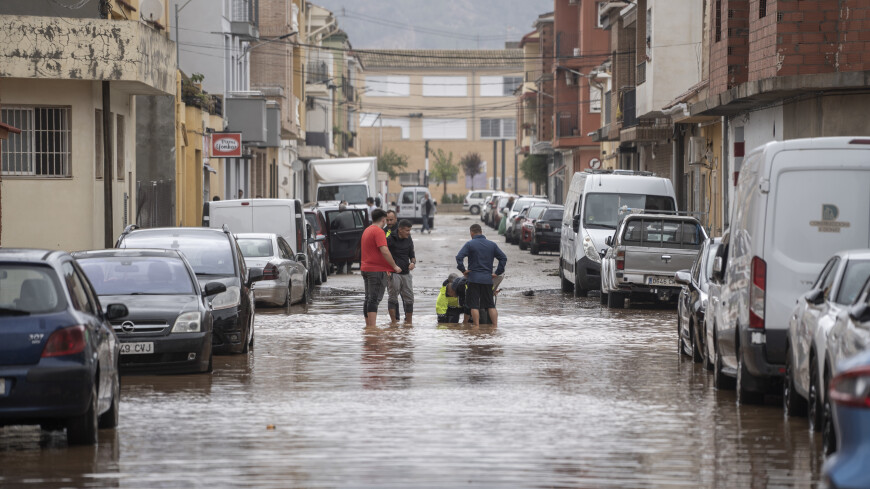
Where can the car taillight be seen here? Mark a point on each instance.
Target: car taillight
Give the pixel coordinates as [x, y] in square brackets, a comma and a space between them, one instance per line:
[270, 272]
[66, 341]
[620, 260]
[757, 292]
[852, 388]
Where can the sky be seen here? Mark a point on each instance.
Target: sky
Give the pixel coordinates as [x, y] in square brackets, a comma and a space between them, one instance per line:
[435, 24]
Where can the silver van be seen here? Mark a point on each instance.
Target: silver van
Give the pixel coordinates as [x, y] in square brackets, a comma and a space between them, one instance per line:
[596, 201]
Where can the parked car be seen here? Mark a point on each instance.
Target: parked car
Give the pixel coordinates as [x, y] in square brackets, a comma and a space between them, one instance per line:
[714, 312]
[497, 206]
[490, 203]
[285, 278]
[515, 226]
[512, 230]
[542, 231]
[169, 325]
[215, 257]
[410, 204]
[815, 313]
[474, 200]
[319, 246]
[850, 408]
[794, 213]
[594, 205]
[51, 373]
[692, 304]
[344, 229]
[644, 256]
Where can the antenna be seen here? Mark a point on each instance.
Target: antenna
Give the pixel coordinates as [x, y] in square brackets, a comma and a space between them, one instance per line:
[151, 10]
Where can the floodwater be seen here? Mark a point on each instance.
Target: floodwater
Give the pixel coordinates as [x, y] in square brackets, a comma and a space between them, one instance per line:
[564, 393]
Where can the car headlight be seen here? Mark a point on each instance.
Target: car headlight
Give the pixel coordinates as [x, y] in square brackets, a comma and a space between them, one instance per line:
[188, 322]
[231, 298]
[589, 249]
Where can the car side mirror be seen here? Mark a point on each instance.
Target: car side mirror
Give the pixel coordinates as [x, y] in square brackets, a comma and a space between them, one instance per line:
[608, 240]
[116, 311]
[815, 297]
[576, 223]
[717, 268]
[860, 313]
[254, 275]
[214, 288]
[683, 277]
[301, 257]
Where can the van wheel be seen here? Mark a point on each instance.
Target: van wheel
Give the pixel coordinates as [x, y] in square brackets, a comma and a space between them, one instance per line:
[792, 403]
[615, 300]
[82, 430]
[744, 395]
[475, 210]
[567, 286]
[720, 380]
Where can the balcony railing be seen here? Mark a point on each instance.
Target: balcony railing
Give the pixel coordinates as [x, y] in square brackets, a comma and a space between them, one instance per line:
[317, 139]
[641, 72]
[628, 108]
[566, 125]
[318, 72]
[607, 109]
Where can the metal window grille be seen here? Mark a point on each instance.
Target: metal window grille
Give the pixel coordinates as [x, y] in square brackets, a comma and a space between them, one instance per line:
[43, 147]
[641, 73]
[718, 20]
[762, 8]
[119, 144]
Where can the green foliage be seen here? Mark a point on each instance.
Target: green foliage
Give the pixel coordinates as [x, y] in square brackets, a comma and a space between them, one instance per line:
[392, 163]
[470, 164]
[197, 77]
[534, 168]
[444, 170]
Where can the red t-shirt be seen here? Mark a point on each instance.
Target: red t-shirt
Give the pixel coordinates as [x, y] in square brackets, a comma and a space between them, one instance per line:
[372, 259]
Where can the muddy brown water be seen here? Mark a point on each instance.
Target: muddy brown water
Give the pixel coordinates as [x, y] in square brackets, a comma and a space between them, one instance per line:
[564, 393]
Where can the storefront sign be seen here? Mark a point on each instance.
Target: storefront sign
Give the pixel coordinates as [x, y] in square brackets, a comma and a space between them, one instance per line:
[226, 145]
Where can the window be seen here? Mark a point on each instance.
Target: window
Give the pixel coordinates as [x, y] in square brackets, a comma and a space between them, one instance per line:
[445, 129]
[497, 128]
[510, 84]
[762, 8]
[499, 86]
[76, 289]
[43, 147]
[372, 120]
[594, 99]
[388, 86]
[853, 279]
[598, 16]
[119, 144]
[718, 20]
[445, 86]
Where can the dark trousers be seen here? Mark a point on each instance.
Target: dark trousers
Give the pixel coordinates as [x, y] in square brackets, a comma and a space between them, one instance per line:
[375, 285]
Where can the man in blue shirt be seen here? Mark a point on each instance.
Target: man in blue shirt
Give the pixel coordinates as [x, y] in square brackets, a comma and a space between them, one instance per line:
[480, 252]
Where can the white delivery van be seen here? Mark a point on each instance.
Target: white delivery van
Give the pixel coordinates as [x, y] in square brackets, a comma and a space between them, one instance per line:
[283, 217]
[796, 203]
[596, 201]
[410, 204]
[350, 179]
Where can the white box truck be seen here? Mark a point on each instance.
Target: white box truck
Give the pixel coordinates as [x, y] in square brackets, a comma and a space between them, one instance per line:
[349, 179]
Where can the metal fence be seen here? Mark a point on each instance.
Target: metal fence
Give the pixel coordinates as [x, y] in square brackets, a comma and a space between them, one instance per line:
[155, 203]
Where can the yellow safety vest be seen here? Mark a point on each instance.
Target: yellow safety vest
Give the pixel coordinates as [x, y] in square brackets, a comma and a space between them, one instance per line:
[444, 301]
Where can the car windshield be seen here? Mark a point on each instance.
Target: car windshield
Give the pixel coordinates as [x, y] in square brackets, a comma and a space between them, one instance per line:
[256, 247]
[553, 215]
[352, 194]
[603, 210]
[209, 254]
[520, 203]
[855, 276]
[29, 289]
[126, 275]
[344, 220]
[535, 212]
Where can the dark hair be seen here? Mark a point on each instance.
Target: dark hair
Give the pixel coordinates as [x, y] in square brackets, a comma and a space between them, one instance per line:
[391, 211]
[378, 214]
[404, 223]
[370, 200]
[476, 229]
[216, 198]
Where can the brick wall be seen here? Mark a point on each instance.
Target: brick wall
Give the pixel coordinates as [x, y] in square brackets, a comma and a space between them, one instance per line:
[545, 104]
[729, 55]
[854, 36]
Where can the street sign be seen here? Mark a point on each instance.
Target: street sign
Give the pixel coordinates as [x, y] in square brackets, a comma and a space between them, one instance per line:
[225, 145]
[595, 163]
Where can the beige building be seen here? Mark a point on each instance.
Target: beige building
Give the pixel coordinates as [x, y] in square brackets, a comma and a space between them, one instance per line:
[459, 101]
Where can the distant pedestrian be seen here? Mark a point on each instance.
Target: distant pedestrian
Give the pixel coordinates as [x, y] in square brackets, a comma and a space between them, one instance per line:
[480, 253]
[392, 223]
[370, 205]
[216, 198]
[426, 211]
[241, 193]
[402, 248]
[376, 265]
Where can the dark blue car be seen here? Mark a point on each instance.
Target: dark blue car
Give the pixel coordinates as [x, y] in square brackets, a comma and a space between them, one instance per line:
[58, 353]
[850, 396]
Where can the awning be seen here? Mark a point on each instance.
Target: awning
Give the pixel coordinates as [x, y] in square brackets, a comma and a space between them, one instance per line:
[557, 170]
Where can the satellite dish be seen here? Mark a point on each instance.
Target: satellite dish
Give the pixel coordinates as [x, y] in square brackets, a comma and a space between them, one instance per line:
[151, 10]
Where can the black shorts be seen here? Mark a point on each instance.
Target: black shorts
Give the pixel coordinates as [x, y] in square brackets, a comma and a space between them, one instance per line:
[479, 296]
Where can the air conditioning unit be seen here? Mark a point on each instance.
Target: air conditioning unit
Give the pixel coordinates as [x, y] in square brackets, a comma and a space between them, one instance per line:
[697, 150]
[576, 52]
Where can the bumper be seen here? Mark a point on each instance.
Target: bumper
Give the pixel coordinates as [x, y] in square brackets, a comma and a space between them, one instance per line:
[661, 292]
[753, 347]
[271, 292]
[228, 335]
[170, 355]
[587, 274]
[49, 390]
[847, 467]
[550, 241]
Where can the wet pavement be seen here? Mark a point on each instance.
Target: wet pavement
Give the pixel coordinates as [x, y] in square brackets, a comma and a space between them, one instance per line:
[564, 393]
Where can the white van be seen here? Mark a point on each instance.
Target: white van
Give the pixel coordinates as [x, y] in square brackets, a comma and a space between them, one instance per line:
[474, 200]
[796, 203]
[283, 217]
[592, 212]
[410, 204]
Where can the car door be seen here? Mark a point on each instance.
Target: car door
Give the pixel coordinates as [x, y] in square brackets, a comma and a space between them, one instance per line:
[808, 318]
[407, 204]
[345, 233]
[288, 270]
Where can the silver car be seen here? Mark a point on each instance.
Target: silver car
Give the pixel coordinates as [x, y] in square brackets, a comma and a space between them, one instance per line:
[285, 279]
[814, 315]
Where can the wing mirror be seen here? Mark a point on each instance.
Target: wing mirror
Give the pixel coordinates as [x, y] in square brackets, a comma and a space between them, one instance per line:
[214, 288]
[575, 224]
[683, 277]
[301, 257]
[608, 240]
[860, 313]
[815, 297]
[717, 268]
[254, 275]
[116, 311]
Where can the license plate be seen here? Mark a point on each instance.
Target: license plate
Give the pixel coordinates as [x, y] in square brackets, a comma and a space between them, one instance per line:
[137, 348]
[2, 386]
[655, 280]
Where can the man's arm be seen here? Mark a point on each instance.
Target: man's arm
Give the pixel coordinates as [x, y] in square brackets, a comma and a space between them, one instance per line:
[502, 260]
[385, 251]
[460, 257]
[412, 257]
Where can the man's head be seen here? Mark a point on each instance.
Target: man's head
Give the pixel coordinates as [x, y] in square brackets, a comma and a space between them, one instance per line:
[450, 279]
[391, 219]
[370, 201]
[378, 216]
[476, 229]
[241, 193]
[404, 228]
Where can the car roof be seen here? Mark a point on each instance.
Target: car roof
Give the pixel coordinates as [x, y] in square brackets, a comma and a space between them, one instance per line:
[132, 252]
[257, 235]
[179, 231]
[29, 254]
[859, 254]
[673, 217]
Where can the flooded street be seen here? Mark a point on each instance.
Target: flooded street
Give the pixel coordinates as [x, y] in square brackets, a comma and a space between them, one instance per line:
[564, 393]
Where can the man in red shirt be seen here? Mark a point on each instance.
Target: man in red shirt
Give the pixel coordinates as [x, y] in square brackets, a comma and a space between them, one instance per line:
[376, 264]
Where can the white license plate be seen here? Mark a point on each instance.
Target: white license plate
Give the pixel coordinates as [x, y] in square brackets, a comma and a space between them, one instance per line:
[656, 280]
[143, 348]
[2, 386]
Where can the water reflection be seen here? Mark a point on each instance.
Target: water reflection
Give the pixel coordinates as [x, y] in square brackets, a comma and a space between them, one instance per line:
[387, 357]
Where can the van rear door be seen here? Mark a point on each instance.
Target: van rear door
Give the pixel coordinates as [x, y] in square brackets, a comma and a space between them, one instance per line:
[271, 216]
[236, 214]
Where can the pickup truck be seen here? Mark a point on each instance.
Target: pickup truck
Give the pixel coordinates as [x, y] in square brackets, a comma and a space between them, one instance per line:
[644, 255]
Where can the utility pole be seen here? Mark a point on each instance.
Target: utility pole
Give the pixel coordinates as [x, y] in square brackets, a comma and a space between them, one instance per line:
[502, 164]
[495, 165]
[108, 219]
[516, 173]
[426, 171]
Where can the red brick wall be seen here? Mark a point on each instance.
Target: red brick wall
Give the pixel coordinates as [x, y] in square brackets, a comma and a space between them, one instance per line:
[729, 56]
[853, 36]
[545, 104]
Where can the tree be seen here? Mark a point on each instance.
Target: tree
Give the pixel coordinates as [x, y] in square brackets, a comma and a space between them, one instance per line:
[444, 169]
[393, 163]
[534, 168]
[470, 164]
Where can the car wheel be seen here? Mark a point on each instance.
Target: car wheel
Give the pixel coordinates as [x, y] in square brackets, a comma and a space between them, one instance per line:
[578, 290]
[318, 277]
[323, 275]
[289, 298]
[603, 298]
[720, 380]
[534, 248]
[615, 300]
[109, 419]
[705, 351]
[82, 430]
[523, 245]
[210, 367]
[814, 403]
[744, 395]
[475, 210]
[249, 335]
[306, 297]
[696, 351]
[792, 403]
[829, 436]
[681, 344]
[567, 286]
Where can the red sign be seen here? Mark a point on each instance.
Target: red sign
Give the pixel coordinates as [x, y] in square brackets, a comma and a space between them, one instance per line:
[226, 145]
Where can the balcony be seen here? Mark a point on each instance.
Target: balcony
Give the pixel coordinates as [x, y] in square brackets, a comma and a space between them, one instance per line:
[320, 139]
[566, 125]
[627, 108]
[245, 19]
[647, 130]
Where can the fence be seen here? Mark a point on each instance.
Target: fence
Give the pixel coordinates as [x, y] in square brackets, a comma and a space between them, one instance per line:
[155, 203]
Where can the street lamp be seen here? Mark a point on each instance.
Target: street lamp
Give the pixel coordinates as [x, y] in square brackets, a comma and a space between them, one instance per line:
[248, 48]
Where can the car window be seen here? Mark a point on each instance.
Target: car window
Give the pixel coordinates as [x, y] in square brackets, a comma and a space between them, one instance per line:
[604, 210]
[407, 197]
[536, 212]
[124, 275]
[856, 274]
[80, 299]
[286, 252]
[33, 289]
[315, 223]
[345, 220]
[828, 281]
[256, 247]
[553, 215]
[243, 267]
[824, 273]
[208, 253]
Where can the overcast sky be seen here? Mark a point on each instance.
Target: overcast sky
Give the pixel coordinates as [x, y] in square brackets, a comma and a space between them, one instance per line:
[435, 24]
